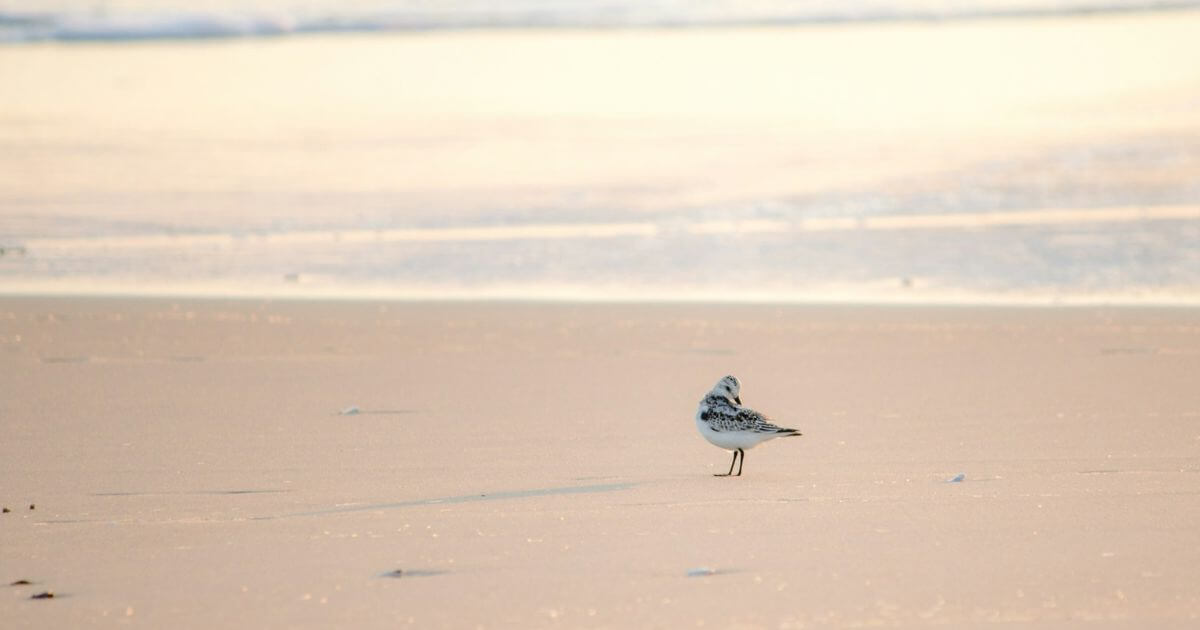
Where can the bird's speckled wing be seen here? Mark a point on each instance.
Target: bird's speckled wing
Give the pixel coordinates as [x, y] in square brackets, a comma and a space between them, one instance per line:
[722, 416]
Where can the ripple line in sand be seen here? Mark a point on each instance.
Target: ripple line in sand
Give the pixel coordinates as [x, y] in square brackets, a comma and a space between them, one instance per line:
[191, 492]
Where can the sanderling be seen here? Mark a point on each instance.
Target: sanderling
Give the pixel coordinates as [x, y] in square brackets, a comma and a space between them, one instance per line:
[723, 421]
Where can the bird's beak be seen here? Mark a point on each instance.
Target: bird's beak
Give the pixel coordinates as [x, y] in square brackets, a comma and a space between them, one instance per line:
[737, 399]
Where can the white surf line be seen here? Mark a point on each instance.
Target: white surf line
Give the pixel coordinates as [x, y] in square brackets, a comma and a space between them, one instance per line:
[1050, 216]
[548, 231]
[1053, 216]
[563, 231]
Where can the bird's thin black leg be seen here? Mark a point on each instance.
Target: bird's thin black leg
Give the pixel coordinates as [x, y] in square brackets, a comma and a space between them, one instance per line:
[740, 463]
[735, 454]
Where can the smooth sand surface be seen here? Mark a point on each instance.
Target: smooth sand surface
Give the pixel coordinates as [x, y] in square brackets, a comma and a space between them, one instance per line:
[528, 465]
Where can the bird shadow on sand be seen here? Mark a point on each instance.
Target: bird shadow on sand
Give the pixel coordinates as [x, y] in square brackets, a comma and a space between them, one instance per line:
[464, 498]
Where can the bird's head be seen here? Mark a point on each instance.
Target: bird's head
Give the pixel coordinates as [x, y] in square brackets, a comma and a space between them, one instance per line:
[729, 387]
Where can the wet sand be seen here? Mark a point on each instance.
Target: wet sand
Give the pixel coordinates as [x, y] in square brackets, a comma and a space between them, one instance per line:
[537, 465]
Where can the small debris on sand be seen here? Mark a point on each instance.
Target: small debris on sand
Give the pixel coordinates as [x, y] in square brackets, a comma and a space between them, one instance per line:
[350, 411]
[43, 595]
[413, 573]
[32, 506]
[701, 571]
[21, 583]
[957, 478]
[6, 510]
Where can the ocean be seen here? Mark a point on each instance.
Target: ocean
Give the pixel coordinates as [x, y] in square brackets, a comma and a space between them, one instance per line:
[122, 20]
[901, 151]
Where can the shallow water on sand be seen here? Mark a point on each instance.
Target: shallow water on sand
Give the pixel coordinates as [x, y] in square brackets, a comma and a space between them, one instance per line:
[1002, 160]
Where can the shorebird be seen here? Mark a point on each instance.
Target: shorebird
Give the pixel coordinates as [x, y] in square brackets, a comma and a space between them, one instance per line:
[725, 423]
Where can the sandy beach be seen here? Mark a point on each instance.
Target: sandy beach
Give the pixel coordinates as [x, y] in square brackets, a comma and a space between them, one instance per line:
[190, 465]
[489, 422]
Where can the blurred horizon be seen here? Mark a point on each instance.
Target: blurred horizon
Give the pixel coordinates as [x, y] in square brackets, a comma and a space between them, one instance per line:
[134, 20]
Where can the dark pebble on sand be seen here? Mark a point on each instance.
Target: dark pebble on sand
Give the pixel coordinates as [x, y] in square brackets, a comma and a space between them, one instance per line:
[6, 510]
[396, 573]
[43, 595]
[31, 506]
[21, 583]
